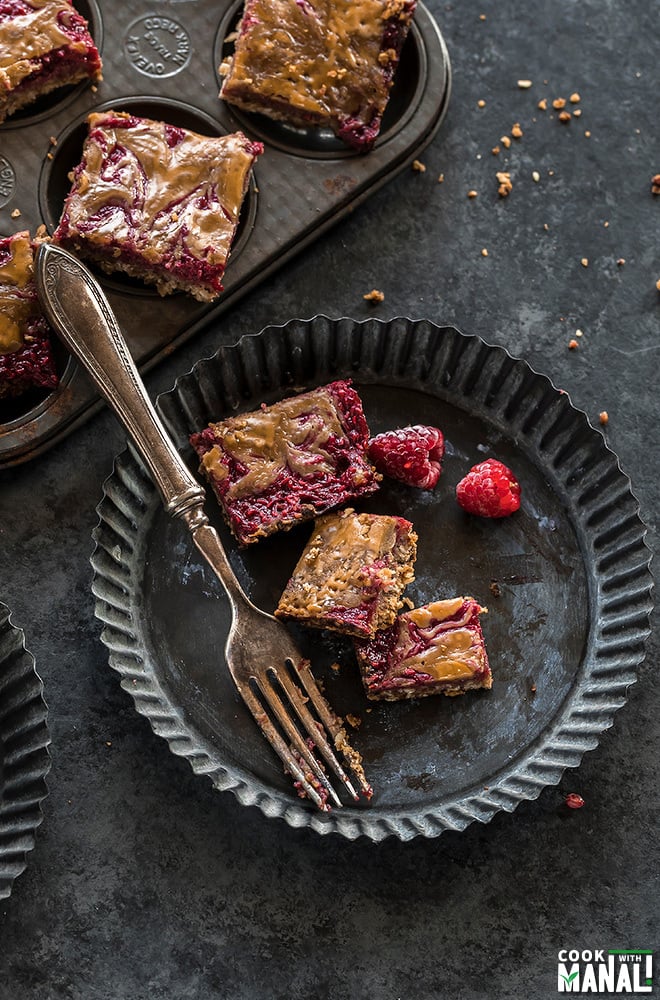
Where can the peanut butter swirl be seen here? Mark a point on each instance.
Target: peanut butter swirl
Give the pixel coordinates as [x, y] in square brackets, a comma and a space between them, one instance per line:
[16, 275]
[338, 562]
[143, 183]
[322, 58]
[290, 434]
[449, 650]
[31, 35]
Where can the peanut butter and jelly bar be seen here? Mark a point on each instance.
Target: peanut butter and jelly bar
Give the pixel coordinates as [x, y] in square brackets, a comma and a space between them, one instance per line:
[352, 573]
[44, 44]
[158, 202]
[285, 463]
[436, 649]
[26, 357]
[327, 63]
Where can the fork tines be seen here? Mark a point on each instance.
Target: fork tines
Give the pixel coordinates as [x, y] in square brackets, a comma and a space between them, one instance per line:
[298, 733]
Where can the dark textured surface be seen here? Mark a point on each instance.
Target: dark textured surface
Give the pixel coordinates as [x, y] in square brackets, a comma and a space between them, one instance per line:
[147, 884]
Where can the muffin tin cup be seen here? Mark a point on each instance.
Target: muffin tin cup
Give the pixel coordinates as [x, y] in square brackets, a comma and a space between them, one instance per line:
[163, 63]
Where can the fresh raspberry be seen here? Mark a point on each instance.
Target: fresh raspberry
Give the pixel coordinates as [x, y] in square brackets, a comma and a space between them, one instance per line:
[489, 490]
[411, 454]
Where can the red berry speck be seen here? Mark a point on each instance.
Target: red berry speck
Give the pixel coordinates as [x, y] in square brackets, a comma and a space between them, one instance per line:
[574, 801]
[489, 490]
[410, 454]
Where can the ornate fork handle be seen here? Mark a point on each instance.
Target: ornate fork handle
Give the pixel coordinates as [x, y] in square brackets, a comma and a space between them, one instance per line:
[79, 311]
[77, 308]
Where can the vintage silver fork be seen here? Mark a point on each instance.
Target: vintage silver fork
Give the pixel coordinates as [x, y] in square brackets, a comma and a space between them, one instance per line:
[269, 672]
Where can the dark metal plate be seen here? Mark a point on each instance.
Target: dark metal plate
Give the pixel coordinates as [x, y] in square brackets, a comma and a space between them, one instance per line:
[24, 759]
[572, 570]
[161, 61]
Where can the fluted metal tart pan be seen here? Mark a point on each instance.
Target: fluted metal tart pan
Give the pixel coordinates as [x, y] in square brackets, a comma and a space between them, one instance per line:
[566, 581]
[24, 758]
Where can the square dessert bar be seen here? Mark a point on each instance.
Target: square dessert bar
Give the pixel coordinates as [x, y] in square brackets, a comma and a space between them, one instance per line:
[319, 63]
[436, 649]
[352, 573]
[26, 357]
[44, 44]
[158, 202]
[285, 463]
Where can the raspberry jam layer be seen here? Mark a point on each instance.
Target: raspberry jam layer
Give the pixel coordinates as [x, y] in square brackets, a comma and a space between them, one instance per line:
[352, 573]
[43, 45]
[26, 357]
[285, 463]
[159, 202]
[313, 62]
[435, 649]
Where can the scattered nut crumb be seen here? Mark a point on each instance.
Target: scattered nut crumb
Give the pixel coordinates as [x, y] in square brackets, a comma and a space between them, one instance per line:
[354, 720]
[495, 150]
[579, 333]
[655, 184]
[418, 166]
[506, 142]
[108, 743]
[543, 104]
[657, 284]
[49, 156]
[533, 689]
[572, 344]
[574, 98]
[484, 252]
[336, 667]
[495, 588]
[588, 134]
[524, 84]
[603, 416]
[52, 140]
[516, 131]
[441, 179]
[472, 193]
[374, 296]
[505, 185]
[606, 224]
[536, 176]
[621, 261]
[481, 103]
[564, 116]
[16, 213]
[577, 112]
[559, 103]
[482, 17]
[585, 262]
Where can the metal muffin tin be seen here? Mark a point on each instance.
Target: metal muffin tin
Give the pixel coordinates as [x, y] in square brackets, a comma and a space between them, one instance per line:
[160, 60]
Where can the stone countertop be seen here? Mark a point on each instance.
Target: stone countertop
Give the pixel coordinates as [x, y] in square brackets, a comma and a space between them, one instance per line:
[145, 883]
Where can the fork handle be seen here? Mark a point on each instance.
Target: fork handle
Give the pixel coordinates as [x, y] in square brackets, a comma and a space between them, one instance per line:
[76, 307]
